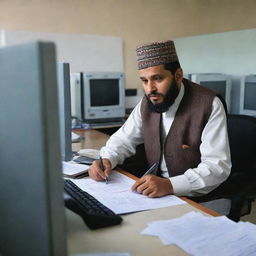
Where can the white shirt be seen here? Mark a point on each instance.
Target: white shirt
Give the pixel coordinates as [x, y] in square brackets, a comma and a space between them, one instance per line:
[215, 163]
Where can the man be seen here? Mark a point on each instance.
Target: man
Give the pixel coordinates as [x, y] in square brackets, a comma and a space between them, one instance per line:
[182, 125]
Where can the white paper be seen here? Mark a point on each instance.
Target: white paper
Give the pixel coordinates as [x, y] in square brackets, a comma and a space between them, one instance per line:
[117, 195]
[200, 235]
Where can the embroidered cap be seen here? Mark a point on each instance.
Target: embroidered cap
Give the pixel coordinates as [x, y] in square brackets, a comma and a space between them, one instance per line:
[157, 53]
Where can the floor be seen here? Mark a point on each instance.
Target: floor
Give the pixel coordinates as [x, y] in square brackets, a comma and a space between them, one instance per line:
[252, 216]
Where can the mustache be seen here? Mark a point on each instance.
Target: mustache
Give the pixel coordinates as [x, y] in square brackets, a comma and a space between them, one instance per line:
[155, 94]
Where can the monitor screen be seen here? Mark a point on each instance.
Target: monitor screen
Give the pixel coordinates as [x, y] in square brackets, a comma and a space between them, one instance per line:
[249, 95]
[104, 92]
[217, 86]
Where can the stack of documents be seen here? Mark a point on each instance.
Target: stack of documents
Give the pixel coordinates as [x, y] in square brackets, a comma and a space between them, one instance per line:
[200, 235]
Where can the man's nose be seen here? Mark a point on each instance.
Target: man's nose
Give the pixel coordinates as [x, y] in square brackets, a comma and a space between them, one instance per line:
[151, 87]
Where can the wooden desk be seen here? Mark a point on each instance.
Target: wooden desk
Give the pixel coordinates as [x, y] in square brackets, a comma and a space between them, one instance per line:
[92, 139]
[125, 237]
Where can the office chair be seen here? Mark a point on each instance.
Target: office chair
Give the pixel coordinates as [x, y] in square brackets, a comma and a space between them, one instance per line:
[240, 187]
[242, 181]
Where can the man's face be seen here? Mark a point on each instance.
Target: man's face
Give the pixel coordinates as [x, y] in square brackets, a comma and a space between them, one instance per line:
[160, 86]
[156, 82]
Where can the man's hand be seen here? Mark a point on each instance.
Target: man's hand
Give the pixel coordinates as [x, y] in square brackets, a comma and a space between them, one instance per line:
[96, 173]
[153, 186]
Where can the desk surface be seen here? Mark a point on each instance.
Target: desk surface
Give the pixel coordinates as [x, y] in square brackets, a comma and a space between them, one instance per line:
[125, 237]
[92, 139]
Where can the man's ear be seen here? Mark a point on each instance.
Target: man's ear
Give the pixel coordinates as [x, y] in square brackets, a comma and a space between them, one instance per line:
[179, 75]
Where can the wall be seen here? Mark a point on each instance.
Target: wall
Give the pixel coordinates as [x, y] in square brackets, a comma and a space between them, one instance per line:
[136, 21]
[231, 53]
[82, 52]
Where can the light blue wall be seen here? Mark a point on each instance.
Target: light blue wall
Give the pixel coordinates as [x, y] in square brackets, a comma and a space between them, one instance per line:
[232, 53]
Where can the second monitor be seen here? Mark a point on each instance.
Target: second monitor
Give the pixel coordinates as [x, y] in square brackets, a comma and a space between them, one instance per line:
[103, 96]
[219, 83]
[247, 95]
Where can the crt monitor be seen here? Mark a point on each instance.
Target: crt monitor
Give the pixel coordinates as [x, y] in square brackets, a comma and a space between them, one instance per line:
[64, 98]
[247, 95]
[31, 193]
[219, 83]
[103, 96]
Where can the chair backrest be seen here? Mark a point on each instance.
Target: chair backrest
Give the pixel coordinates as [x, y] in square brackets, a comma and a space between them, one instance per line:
[242, 139]
[242, 180]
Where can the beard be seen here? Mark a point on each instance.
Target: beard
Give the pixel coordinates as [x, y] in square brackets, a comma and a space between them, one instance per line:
[169, 99]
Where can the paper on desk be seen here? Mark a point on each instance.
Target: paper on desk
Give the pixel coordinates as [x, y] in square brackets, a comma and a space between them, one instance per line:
[200, 235]
[71, 170]
[117, 195]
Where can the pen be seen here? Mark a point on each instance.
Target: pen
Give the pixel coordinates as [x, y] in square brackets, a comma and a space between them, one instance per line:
[150, 170]
[102, 168]
[82, 175]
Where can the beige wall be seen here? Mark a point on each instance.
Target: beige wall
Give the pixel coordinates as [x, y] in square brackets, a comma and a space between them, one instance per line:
[136, 21]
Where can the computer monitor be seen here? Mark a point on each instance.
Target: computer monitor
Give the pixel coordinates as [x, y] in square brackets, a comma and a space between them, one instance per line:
[247, 95]
[219, 83]
[103, 96]
[63, 74]
[32, 216]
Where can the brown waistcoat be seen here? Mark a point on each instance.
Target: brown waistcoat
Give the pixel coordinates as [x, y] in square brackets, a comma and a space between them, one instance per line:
[181, 146]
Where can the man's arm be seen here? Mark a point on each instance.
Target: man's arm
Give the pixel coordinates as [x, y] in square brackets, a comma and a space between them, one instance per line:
[121, 145]
[215, 163]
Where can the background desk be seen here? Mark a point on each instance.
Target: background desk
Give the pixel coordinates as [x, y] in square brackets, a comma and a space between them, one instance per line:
[92, 139]
[125, 237]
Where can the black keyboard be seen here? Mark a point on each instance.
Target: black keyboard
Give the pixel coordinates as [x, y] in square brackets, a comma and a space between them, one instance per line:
[94, 213]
